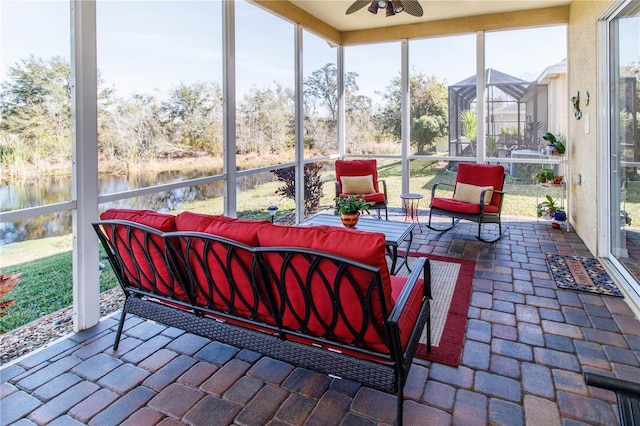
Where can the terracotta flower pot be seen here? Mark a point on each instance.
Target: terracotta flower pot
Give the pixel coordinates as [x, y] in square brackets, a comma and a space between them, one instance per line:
[350, 220]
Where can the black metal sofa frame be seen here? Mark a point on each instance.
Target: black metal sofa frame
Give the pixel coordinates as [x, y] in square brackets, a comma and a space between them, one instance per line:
[171, 267]
[627, 396]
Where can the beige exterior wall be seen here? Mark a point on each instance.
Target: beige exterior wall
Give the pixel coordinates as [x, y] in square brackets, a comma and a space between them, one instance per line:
[583, 142]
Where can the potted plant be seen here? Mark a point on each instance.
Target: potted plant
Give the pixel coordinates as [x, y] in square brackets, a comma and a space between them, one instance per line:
[549, 207]
[559, 214]
[349, 208]
[555, 145]
[544, 175]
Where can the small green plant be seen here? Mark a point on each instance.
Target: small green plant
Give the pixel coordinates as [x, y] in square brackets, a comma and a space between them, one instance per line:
[544, 175]
[352, 204]
[550, 206]
[492, 146]
[556, 142]
[469, 123]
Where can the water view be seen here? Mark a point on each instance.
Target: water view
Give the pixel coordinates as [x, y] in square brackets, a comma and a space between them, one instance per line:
[50, 190]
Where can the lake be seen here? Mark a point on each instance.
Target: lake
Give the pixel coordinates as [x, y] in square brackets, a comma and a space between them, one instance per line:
[55, 189]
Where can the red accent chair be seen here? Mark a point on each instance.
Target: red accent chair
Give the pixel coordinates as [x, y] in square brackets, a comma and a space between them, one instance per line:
[477, 196]
[355, 174]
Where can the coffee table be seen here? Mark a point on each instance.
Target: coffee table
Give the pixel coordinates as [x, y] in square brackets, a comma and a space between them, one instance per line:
[395, 233]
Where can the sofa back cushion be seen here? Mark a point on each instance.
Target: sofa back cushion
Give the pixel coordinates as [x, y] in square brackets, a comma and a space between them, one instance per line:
[322, 297]
[145, 255]
[224, 275]
[244, 231]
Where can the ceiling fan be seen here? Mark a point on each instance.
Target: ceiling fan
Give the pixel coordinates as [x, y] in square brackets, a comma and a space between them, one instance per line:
[412, 7]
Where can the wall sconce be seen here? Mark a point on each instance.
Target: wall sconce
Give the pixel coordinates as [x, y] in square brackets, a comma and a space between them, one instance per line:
[272, 212]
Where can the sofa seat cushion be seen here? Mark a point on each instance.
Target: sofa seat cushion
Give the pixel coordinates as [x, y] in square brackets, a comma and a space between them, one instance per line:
[144, 259]
[452, 205]
[224, 274]
[310, 292]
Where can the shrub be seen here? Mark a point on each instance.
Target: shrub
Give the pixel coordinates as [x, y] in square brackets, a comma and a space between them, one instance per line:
[312, 185]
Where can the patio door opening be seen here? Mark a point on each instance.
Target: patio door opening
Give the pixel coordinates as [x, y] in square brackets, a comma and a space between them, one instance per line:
[624, 141]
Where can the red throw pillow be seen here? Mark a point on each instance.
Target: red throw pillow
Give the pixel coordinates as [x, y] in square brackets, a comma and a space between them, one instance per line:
[145, 267]
[360, 246]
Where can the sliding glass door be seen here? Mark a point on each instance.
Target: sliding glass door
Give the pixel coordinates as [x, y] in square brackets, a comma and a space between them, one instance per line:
[624, 119]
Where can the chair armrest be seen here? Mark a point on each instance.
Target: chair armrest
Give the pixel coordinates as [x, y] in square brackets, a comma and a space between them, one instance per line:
[436, 185]
[384, 189]
[410, 306]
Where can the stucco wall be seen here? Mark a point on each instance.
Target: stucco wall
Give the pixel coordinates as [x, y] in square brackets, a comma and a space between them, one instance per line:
[583, 142]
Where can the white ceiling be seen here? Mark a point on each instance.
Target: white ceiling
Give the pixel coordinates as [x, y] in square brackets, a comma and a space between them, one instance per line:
[333, 13]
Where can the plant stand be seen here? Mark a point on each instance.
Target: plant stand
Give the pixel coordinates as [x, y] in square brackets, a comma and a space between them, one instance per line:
[554, 189]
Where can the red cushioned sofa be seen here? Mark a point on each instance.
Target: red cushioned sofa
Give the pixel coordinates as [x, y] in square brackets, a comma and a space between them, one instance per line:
[318, 297]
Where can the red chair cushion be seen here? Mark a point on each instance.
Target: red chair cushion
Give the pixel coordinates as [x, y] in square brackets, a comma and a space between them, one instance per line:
[482, 175]
[358, 168]
[377, 197]
[451, 205]
[146, 268]
[365, 247]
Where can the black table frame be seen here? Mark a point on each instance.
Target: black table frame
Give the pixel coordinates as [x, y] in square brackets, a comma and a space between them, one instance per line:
[395, 233]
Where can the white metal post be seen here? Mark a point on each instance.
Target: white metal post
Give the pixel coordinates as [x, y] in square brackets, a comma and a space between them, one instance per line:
[341, 103]
[299, 124]
[84, 125]
[480, 97]
[406, 116]
[229, 108]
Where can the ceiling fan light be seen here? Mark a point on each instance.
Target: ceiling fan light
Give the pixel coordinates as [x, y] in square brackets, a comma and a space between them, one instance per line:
[397, 6]
[374, 7]
[382, 4]
[390, 11]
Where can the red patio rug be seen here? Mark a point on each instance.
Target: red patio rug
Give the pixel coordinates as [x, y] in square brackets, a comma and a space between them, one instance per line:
[451, 281]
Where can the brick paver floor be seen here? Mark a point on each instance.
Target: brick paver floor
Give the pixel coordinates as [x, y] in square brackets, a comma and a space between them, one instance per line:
[527, 345]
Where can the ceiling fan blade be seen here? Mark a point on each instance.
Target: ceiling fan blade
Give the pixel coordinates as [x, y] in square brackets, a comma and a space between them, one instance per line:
[412, 7]
[357, 5]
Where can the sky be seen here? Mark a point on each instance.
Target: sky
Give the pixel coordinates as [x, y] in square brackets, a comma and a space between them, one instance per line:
[153, 46]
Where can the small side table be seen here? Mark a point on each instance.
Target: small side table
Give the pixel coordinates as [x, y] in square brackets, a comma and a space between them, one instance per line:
[410, 206]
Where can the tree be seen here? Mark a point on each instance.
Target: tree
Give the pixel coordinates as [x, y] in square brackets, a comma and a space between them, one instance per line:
[35, 106]
[265, 120]
[194, 116]
[429, 110]
[322, 86]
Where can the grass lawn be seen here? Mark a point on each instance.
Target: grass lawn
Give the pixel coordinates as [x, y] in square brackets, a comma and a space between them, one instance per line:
[45, 285]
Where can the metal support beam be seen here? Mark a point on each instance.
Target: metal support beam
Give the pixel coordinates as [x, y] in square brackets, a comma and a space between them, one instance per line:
[84, 125]
[299, 123]
[480, 98]
[341, 103]
[229, 108]
[406, 115]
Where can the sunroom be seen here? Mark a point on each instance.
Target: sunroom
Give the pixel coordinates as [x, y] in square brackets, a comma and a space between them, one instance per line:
[165, 121]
